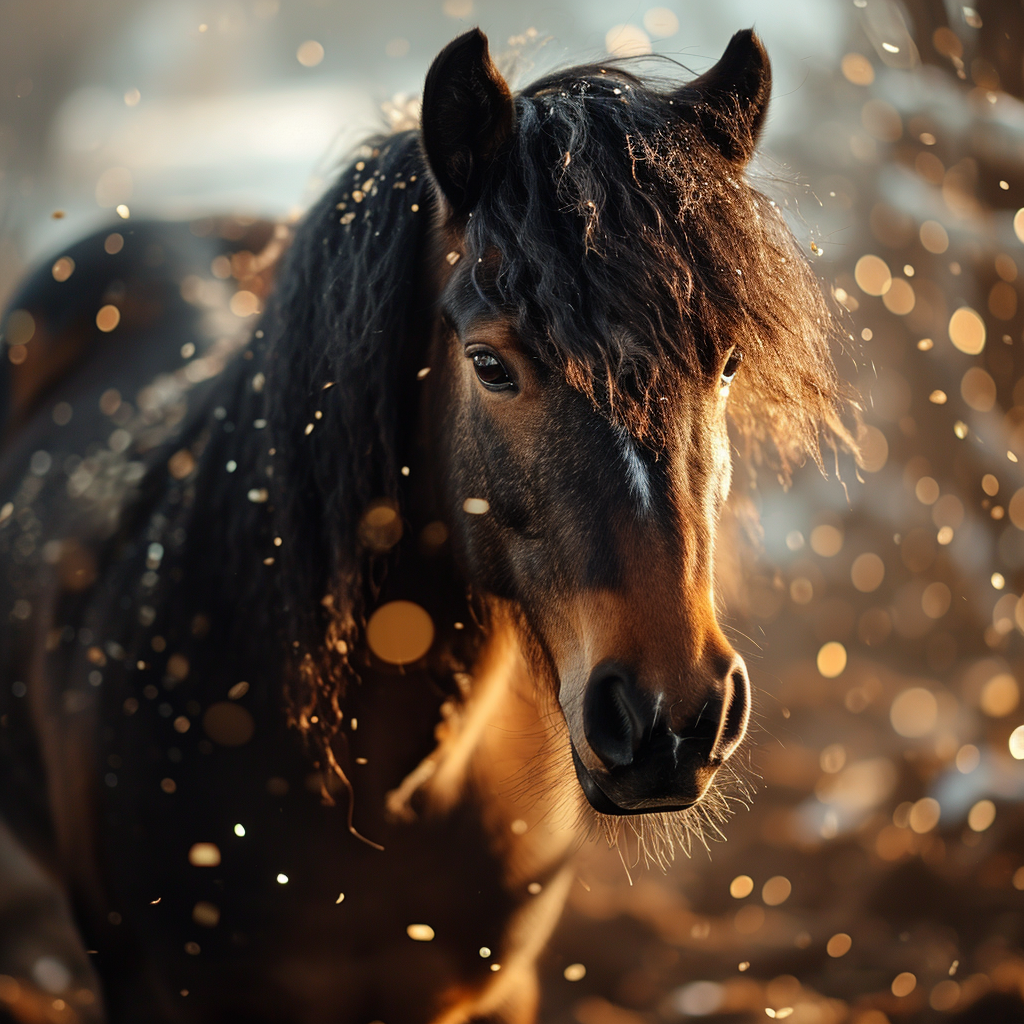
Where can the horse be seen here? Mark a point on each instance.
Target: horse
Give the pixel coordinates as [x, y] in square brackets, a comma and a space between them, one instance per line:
[356, 570]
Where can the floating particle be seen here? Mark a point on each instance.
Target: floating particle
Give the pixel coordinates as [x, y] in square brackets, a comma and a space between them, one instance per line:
[903, 984]
[228, 724]
[960, 429]
[341, 898]
[872, 275]
[476, 506]
[661, 22]
[108, 318]
[981, 815]
[967, 331]
[193, 948]
[132, 98]
[310, 53]
[415, 207]
[204, 855]
[244, 303]
[535, 887]
[924, 815]
[484, 952]
[934, 237]
[935, 600]
[400, 632]
[998, 580]
[113, 244]
[999, 696]
[420, 932]
[495, 967]
[944, 996]
[831, 659]
[743, 965]
[122, 211]
[205, 914]
[839, 945]
[1016, 743]
[258, 495]
[990, 485]
[63, 268]
[282, 878]
[574, 972]
[168, 785]
[380, 526]
[627, 41]
[776, 890]
[857, 69]
[741, 887]
[826, 540]
[239, 831]
[832, 758]
[867, 572]
[938, 397]
[308, 430]
[518, 827]
[914, 712]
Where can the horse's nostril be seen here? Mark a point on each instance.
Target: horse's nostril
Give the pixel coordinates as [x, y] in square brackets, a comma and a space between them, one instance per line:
[736, 712]
[613, 717]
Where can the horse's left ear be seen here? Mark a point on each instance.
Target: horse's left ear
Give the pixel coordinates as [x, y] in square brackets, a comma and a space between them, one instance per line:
[467, 116]
[731, 100]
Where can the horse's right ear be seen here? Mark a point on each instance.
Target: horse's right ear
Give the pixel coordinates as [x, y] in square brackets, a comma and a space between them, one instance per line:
[467, 116]
[730, 101]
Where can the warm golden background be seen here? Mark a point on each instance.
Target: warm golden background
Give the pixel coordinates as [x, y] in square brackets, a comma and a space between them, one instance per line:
[879, 874]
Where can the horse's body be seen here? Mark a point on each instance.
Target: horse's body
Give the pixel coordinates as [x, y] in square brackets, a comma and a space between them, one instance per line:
[202, 743]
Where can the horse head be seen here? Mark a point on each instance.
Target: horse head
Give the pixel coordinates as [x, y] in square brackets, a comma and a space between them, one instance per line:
[593, 290]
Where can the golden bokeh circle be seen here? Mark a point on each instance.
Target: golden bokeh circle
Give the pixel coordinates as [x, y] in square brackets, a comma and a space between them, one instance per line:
[400, 632]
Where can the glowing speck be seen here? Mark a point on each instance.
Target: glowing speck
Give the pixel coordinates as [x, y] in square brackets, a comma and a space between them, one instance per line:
[239, 831]
[903, 984]
[998, 580]
[310, 53]
[122, 211]
[476, 506]
[574, 972]
[341, 898]
[485, 951]
[1016, 743]
[420, 932]
[282, 879]
[831, 659]
[839, 945]
[741, 887]
[204, 855]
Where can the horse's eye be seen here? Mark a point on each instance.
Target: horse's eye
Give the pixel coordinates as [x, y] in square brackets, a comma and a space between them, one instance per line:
[732, 364]
[491, 372]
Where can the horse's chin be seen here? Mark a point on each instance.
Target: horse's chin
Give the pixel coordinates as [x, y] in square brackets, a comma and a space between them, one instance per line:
[603, 804]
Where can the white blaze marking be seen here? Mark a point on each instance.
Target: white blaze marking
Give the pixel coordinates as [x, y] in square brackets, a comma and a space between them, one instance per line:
[636, 471]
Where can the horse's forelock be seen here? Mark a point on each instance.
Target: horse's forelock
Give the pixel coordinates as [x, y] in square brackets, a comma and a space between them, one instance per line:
[634, 254]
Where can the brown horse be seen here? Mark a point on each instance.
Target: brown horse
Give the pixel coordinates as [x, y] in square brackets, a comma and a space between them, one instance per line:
[330, 632]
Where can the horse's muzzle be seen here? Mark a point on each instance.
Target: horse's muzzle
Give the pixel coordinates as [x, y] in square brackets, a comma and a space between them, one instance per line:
[643, 761]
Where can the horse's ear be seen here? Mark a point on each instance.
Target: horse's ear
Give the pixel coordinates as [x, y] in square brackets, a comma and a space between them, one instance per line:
[731, 100]
[467, 116]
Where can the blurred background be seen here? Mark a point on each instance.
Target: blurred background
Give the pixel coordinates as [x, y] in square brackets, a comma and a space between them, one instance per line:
[879, 873]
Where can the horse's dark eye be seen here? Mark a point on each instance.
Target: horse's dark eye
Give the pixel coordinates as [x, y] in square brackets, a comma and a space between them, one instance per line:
[732, 364]
[492, 374]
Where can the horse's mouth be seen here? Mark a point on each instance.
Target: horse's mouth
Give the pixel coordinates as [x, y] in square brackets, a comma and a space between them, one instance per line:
[603, 804]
